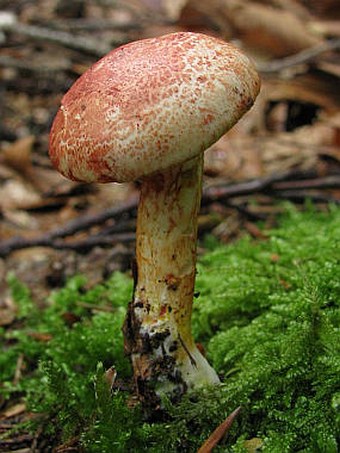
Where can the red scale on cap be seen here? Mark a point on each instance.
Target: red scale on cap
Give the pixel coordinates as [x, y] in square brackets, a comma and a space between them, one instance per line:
[148, 105]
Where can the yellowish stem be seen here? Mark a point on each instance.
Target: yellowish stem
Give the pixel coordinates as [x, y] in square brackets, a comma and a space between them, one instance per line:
[158, 328]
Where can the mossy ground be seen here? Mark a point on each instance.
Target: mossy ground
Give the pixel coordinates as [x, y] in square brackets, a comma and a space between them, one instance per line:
[268, 315]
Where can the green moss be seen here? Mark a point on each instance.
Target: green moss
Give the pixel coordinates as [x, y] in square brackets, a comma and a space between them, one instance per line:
[268, 315]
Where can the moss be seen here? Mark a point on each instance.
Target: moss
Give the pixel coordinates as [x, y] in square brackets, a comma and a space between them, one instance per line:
[268, 315]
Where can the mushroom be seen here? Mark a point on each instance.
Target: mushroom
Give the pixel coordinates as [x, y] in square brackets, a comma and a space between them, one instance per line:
[146, 112]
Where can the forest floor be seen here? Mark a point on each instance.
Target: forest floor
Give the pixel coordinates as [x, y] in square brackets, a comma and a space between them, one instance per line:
[285, 148]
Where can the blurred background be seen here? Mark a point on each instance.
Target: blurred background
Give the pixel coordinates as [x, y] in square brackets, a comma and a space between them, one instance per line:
[286, 148]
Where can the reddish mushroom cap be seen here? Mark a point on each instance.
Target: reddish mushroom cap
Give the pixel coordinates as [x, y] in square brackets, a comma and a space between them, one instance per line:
[151, 104]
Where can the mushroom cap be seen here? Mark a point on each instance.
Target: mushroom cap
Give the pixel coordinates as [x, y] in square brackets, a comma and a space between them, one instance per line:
[149, 105]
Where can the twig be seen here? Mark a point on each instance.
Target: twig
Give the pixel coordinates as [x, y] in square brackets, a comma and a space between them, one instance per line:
[272, 183]
[50, 239]
[92, 241]
[95, 24]
[18, 369]
[327, 182]
[219, 432]
[281, 186]
[87, 45]
[34, 445]
[70, 445]
[103, 308]
[214, 193]
[300, 196]
[90, 220]
[304, 56]
[21, 440]
[18, 243]
[27, 65]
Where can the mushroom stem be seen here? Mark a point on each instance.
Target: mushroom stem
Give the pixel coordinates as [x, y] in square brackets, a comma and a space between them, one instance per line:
[157, 330]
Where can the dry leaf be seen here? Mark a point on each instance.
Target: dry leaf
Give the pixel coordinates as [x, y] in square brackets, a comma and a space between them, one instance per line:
[43, 337]
[324, 8]
[13, 411]
[16, 194]
[298, 149]
[264, 28]
[234, 159]
[7, 316]
[20, 218]
[111, 376]
[18, 154]
[326, 29]
[305, 88]
[171, 8]
[219, 432]
[241, 157]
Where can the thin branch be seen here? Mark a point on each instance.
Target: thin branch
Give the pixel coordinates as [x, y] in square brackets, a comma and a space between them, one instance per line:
[305, 56]
[95, 24]
[327, 182]
[300, 196]
[87, 45]
[270, 184]
[93, 241]
[27, 65]
[280, 186]
[89, 220]
[220, 192]
[51, 238]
